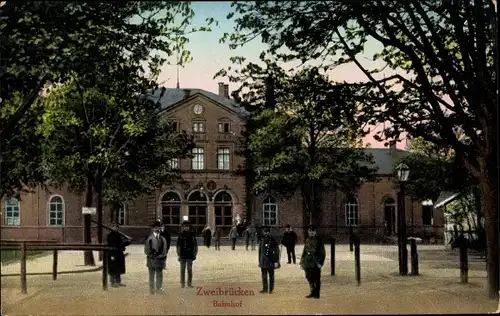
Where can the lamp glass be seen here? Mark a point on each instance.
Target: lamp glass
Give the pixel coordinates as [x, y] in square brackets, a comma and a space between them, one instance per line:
[403, 172]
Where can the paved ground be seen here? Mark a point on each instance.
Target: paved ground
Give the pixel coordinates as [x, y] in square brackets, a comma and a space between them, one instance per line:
[382, 291]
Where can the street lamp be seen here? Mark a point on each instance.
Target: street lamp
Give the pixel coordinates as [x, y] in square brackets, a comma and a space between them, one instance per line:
[403, 171]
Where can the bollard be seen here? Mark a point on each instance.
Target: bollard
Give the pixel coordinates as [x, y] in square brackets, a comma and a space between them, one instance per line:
[105, 271]
[332, 256]
[464, 264]
[414, 256]
[357, 262]
[54, 266]
[350, 239]
[24, 285]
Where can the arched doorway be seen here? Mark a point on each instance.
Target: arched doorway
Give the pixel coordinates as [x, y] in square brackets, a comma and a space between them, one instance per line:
[197, 211]
[390, 216]
[171, 211]
[223, 204]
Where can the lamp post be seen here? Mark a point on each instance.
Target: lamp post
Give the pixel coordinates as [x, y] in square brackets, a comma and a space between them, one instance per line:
[402, 172]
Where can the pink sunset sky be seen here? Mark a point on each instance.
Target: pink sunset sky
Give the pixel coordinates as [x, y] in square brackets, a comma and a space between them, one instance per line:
[209, 56]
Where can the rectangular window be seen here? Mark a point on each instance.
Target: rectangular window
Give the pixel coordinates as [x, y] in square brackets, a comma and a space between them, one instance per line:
[427, 215]
[224, 128]
[352, 218]
[173, 163]
[122, 215]
[198, 127]
[12, 217]
[223, 158]
[270, 215]
[174, 125]
[198, 161]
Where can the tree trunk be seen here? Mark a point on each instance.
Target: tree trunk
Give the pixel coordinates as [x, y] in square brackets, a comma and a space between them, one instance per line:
[489, 193]
[98, 187]
[88, 257]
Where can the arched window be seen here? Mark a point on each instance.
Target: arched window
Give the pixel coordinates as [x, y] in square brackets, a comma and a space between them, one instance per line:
[171, 209]
[223, 210]
[390, 216]
[351, 212]
[56, 211]
[12, 214]
[270, 212]
[198, 211]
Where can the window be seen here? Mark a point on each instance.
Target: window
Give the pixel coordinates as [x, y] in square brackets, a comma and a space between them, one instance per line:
[56, 211]
[224, 128]
[198, 127]
[198, 163]
[173, 163]
[12, 215]
[174, 125]
[427, 218]
[223, 209]
[223, 158]
[198, 211]
[270, 210]
[352, 212]
[122, 215]
[171, 209]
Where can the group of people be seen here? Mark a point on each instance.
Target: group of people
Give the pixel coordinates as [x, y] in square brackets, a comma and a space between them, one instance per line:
[158, 244]
[250, 235]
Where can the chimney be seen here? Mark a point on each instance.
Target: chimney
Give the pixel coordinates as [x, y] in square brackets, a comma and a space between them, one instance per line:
[187, 92]
[226, 91]
[221, 89]
[392, 147]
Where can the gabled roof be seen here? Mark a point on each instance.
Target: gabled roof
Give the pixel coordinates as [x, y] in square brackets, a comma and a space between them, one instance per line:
[445, 197]
[173, 97]
[385, 159]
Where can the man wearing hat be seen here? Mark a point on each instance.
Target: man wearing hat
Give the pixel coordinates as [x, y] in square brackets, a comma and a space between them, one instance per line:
[116, 259]
[187, 249]
[312, 259]
[156, 253]
[289, 240]
[269, 258]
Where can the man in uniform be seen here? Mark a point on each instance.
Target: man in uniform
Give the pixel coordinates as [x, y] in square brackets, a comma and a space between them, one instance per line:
[155, 249]
[312, 259]
[187, 249]
[269, 257]
[116, 259]
[289, 240]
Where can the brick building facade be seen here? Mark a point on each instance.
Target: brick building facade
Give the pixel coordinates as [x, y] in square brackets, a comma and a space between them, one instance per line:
[212, 194]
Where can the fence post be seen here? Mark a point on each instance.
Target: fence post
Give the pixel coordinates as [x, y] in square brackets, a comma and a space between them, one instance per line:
[54, 266]
[24, 285]
[414, 256]
[105, 271]
[464, 264]
[332, 256]
[357, 262]
[350, 238]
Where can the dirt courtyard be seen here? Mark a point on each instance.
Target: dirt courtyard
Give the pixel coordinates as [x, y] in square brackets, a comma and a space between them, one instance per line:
[382, 291]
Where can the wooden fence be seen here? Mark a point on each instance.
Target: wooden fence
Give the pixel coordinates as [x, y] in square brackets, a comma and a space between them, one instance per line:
[50, 245]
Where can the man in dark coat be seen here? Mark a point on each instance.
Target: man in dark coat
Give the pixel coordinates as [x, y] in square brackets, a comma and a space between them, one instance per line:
[165, 234]
[289, 240]
[312, 259]
[207, 236]
[187, 250]
[233, 235]
[156, 253]
[269, 257]
[217, 237]
[116, 259]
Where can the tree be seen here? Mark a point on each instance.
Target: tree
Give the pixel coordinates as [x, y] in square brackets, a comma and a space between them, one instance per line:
[442, 57]
[47, 43]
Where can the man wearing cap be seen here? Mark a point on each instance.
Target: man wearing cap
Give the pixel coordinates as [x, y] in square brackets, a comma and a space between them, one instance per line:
[289, 240]
[116, 258]
[156, 253]
[269, 257]
[187, 249]
[312, 259]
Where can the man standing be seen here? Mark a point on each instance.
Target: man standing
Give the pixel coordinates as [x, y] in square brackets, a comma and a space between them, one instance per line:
[269, 257]
[233, 234]
[246, 234]
[207, 236]
[289, 240]
[312, 259]
[253, 236]
[156, 253]
[187, 249]
[116, 259]
[217, 237]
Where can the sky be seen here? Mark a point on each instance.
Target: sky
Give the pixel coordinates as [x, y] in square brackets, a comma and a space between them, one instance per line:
[210, 56]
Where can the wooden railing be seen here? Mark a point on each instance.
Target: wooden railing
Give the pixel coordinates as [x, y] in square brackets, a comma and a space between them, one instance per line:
[26, 245]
